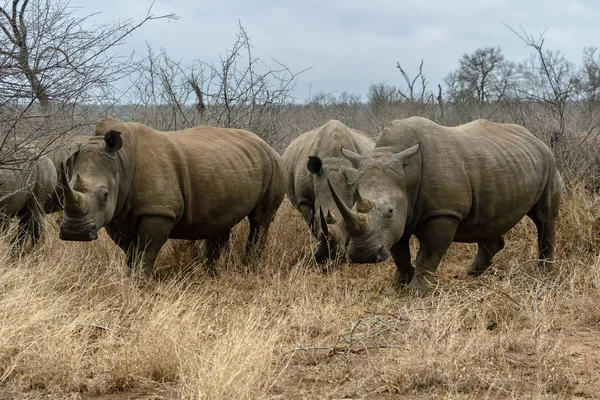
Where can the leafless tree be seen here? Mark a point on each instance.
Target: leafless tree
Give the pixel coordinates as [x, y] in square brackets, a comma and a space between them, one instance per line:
[414, 95]
[52, 62]
[240, 91]
[382, 99]
[482, 76]
[548, 77]
[200, 106]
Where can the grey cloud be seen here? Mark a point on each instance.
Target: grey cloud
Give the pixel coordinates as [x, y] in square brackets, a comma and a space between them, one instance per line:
[350, 44]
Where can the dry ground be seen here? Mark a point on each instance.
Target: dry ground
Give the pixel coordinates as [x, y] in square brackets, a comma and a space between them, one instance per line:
[73, 326]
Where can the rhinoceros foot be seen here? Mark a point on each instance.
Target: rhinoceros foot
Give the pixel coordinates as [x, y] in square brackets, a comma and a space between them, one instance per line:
[420, 284]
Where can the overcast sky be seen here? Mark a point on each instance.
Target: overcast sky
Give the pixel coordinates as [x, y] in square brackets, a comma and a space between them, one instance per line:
[351, 44]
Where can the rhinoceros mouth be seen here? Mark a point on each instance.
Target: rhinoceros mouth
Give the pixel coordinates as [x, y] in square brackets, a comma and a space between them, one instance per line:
[328, 252]
[85, 233]
[363, 257]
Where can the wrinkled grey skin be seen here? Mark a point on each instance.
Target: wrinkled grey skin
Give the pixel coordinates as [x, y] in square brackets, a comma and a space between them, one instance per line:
[24, 190]
[145, 186]
[470, 183]
[311, 159]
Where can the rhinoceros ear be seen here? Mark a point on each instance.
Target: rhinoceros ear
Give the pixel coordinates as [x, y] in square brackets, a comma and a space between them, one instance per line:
[314, 165]
[113, 141]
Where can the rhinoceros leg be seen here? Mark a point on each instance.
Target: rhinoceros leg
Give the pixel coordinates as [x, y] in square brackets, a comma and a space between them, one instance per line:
[214, 247]
[544, 215]
[17, 242]
[485, 252]
[152, 234]
[260, 220]
[126, 244]
[257, 237]
[37, 222]
[546, 230]
[401, 255]
[435, 236]
[28, 227]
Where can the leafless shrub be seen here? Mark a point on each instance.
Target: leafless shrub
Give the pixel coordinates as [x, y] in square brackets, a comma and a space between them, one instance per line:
[241, 91]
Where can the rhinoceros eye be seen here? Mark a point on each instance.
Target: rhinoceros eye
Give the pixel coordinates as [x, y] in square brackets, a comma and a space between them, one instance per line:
[103, 195]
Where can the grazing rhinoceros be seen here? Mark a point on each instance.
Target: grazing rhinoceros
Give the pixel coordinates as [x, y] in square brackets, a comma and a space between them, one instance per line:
[146, 186]
[25, 188]
[311, 159]
[470, 183]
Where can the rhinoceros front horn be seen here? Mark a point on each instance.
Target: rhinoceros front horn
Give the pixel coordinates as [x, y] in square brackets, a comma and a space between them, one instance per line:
[71, 196]
[356, 223]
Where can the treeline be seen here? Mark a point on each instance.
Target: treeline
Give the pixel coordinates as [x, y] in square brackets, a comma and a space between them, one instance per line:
[60, 73]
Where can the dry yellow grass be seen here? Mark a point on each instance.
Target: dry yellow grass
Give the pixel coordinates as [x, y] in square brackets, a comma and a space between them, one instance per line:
[73, 326]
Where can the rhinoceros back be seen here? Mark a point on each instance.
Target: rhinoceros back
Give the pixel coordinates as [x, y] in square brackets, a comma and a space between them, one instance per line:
[326, 143]
[207, 179]
[486, 174]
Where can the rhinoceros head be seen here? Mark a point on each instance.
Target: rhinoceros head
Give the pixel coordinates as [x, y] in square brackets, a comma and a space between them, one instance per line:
[327, 224]
[91, 194]
[379, 216]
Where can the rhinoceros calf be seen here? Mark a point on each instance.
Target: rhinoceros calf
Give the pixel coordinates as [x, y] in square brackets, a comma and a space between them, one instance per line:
[145, 186]
[311, 159]
[24, 190]
[470, 183]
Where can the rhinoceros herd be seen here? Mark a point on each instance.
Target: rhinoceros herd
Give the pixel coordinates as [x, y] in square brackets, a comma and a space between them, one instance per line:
[362, 198]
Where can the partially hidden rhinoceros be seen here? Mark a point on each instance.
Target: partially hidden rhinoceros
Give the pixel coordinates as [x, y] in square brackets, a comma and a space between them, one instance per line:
[313, 158]
[25, 188]
[32, 188]
[59, 154]
[145, 186]
[469, 183]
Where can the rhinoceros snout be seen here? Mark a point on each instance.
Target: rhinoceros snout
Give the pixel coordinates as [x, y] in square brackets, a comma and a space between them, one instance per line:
[83, 236]
[328, 252]
[382, 254]
[369, 257]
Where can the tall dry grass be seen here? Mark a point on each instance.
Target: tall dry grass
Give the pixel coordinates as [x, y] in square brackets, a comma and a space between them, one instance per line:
[73, 326]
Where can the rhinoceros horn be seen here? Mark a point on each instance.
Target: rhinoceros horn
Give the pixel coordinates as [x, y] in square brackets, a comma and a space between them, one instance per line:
[330, 218]
[363, 205]
[71, 196]
[355, 223]
[354, 158]
[323, 222]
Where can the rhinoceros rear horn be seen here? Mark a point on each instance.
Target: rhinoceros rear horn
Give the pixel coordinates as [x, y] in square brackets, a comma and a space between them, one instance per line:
[356, 224]
[363, 205]
[404, 155]
[113, 141]
[354, 158]
[330, 218]
[323, 222]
